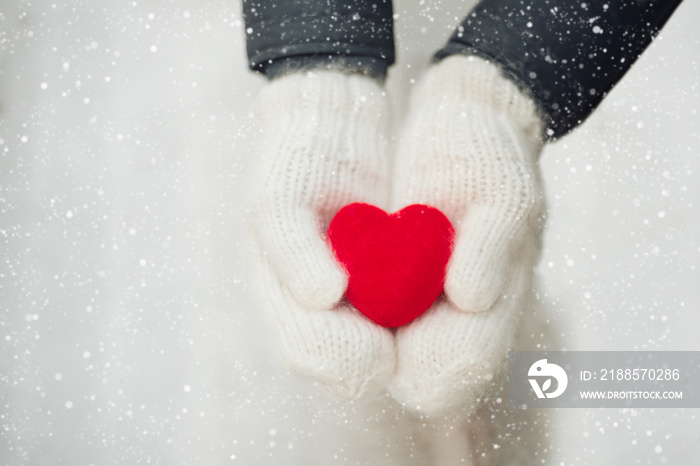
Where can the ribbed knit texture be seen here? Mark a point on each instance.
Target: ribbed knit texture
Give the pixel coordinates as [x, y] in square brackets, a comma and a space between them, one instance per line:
[321, 145]
[470, 148]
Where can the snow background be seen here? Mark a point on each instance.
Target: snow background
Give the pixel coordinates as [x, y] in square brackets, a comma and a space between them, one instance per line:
[126, 331]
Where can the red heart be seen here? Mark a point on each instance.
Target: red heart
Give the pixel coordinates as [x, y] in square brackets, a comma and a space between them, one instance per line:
[395, 263]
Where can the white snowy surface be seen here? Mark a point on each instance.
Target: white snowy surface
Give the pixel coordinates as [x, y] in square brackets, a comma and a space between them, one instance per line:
[126, 333]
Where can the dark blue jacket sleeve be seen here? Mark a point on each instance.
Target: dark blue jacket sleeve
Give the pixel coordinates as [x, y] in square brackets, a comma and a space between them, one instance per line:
[568, 54]
[290, 35]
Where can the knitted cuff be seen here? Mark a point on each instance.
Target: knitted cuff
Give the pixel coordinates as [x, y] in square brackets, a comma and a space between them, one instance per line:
[483, 83]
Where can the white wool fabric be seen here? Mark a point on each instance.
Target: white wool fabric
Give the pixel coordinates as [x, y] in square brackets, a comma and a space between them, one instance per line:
[321, 145]
[470, 147]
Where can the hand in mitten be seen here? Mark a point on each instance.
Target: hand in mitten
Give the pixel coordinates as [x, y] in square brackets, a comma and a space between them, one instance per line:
[470, 148]
[321, 145]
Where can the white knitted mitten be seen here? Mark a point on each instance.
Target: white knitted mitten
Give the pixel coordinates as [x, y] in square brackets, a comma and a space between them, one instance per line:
[321, 146]
[470, 148]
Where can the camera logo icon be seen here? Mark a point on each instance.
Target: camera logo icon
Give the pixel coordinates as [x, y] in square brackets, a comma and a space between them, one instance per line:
[541, 369]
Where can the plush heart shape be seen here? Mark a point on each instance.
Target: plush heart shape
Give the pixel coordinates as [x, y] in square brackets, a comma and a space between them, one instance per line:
[395, 263]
